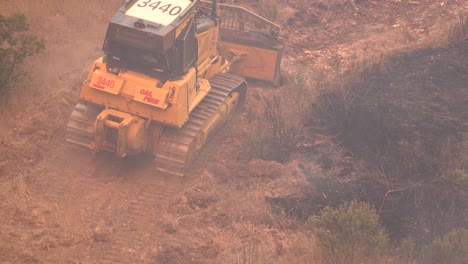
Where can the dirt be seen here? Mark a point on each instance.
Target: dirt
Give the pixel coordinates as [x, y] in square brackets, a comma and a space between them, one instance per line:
[60, 205]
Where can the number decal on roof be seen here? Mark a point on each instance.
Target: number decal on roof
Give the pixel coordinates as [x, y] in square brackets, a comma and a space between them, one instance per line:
[162, 12]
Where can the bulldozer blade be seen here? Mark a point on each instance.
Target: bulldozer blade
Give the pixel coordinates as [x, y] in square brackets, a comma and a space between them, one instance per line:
[250, 42]
[253, 55]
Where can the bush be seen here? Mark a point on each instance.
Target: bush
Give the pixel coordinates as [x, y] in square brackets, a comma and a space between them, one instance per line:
[254, 143]
[350, 233]
[15, 47]
[408, 248]
[286, 113]
[452, 248]
[458, 34]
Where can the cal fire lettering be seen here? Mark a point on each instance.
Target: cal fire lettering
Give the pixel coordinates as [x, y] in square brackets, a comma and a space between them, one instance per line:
[149, 97]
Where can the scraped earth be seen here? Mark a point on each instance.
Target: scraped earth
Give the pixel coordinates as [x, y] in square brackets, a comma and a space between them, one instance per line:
[62, 205]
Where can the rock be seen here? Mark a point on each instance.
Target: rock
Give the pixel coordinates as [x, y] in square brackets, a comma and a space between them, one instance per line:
[102, 236]
[264, 168]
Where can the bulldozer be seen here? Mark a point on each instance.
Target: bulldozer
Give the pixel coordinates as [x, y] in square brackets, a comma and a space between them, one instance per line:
[172, 72]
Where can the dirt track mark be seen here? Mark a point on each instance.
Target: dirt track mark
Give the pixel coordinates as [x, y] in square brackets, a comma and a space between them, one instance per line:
[112, 214]
[133, 236]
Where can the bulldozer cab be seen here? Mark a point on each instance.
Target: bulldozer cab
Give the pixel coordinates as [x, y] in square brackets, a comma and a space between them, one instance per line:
[153, 36]
[158, 38]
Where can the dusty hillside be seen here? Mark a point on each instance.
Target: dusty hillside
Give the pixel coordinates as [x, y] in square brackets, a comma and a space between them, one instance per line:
[59, 205]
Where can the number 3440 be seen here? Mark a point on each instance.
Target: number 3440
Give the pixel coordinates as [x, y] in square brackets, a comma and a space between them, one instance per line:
[156, 5]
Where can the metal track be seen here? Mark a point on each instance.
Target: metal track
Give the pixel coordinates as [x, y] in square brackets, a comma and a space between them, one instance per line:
[177, 146]
[80, 127]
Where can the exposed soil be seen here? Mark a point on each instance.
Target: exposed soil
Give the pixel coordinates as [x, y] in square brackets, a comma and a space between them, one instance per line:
[60, 205]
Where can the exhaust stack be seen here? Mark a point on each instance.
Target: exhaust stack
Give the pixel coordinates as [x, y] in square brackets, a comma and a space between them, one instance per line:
[214, 11]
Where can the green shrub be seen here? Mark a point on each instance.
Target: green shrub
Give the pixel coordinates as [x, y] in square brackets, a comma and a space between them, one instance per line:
[408, 248]
[452, 248]
[459, 180]
[350, 233]
[15, 47]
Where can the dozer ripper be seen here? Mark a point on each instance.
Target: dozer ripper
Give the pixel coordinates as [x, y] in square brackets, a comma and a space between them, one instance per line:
[172, 72]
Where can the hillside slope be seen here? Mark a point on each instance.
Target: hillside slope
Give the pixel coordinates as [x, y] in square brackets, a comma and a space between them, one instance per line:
[58, 205]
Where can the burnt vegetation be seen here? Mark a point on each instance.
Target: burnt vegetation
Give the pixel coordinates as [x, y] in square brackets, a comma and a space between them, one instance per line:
[401, 122]
[410, 137]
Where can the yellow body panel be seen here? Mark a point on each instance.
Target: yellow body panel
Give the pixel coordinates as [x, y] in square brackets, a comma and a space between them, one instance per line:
[207, 44]
[141, 95]
[130, 112]
[168, 103]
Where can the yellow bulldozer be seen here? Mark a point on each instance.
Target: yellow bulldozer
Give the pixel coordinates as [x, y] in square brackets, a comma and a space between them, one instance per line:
[172, 73]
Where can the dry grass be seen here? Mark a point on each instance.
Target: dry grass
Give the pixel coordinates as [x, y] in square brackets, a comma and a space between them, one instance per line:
[62, 24]
[286, 113]
[303, 249]
[7, 115]
[22, 192]
[16, 194]
[458, 34]
[38, 8]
